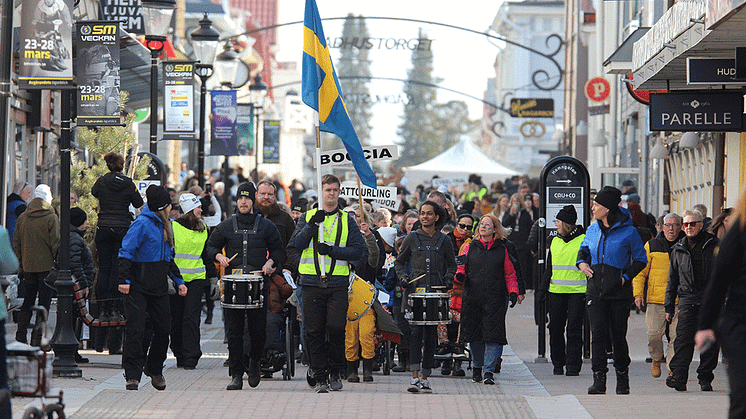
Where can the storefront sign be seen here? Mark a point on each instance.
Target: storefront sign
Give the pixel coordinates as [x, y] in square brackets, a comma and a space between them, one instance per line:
[178, 102]
[46, 45]
[271, 142]
[711, 71]
[97, 73]
[127, 12]
[392, 44]
[700, 111]
[532, 108]
[597, 89]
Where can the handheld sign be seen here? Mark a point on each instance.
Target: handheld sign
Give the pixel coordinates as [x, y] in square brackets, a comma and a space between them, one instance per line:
[371, 153]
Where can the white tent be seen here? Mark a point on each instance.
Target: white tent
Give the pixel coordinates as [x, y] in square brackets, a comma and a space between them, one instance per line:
[459, 161]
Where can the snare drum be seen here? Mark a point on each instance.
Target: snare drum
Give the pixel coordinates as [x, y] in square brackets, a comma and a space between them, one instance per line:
[242, 291]
[428, 308]
[360, 297]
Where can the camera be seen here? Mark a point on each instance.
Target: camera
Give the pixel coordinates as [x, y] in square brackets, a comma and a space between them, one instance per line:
[208, 188]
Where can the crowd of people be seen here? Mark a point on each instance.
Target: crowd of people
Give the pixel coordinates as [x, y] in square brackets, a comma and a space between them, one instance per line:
[474, 247]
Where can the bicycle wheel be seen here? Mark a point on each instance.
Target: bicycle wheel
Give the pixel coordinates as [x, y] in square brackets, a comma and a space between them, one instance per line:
[32, 413]
[53, 409]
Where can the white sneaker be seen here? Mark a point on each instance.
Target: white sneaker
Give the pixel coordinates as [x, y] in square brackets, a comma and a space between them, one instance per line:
[425, 386]
[414, 385]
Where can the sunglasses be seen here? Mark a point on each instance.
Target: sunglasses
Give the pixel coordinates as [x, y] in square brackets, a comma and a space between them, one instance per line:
[691, 223]
[466, 226]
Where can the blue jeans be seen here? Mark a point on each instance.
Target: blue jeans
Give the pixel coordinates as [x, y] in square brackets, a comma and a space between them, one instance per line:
[485, 354]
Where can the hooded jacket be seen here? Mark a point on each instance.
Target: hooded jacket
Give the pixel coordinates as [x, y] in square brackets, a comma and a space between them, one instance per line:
[616, 255]
[442, 267]
[81, 261]
[37, 237]
[681, 280]
[655, 273]
[16, 206]
[115, 193]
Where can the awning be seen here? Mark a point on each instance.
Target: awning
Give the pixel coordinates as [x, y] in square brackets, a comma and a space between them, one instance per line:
[666, 68]
[134, 71]
[620, 61]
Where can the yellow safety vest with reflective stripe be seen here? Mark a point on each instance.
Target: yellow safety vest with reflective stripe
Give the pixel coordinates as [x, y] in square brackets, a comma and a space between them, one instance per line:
[188, 245]
[307, 265]
[566, 277]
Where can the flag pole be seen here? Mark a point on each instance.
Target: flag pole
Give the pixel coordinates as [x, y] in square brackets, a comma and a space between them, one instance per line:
[363, 213]
[320, 203]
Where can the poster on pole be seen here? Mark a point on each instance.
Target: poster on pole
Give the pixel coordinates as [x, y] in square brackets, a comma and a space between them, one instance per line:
[223, 112]
[271, 142]
[46, 45]
[245, 129]
[97, 73]
[178, 101]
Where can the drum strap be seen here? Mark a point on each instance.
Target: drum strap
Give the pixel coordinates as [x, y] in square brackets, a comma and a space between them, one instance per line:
[428, 255]
[245, 239]
[337, 240]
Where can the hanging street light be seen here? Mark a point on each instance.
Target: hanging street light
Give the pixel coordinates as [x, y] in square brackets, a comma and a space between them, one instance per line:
[257, 93]
[205, 43]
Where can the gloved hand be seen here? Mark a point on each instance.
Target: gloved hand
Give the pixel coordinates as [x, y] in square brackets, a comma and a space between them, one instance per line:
[513, 299]
[214, 289]
[318, 217]
[460, 277]
[404, 282]
[324, 249]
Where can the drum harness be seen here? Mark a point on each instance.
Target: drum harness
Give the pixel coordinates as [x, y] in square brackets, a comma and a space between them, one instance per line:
[245, 235]
[324, 279]
[428, 255]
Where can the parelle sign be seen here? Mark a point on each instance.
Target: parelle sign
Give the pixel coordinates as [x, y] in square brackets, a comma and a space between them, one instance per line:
[698, 111]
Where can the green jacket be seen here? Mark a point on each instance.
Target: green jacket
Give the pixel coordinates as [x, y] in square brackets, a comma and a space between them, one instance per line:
[36, 237]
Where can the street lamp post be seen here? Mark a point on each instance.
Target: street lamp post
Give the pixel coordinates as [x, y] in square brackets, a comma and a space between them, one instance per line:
[226, 65]
[205, 42]
[157, 19]
[257, 91]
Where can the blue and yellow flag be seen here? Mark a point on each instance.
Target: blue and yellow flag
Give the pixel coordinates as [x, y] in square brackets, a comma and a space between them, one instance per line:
[322, 92]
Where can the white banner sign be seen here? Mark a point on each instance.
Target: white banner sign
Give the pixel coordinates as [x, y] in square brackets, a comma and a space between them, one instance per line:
[453, 181]
[383, 195]
[372, 153]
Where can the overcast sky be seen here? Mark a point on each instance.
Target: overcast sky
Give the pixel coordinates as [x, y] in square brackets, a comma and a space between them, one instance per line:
[463, 60]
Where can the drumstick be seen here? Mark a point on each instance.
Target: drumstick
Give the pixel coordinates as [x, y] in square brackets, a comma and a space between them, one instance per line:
[417, 278]
[232, 257]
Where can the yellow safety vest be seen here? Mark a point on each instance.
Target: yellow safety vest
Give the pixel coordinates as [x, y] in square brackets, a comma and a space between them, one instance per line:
[189, 245]
[566, 277]
[307, 265]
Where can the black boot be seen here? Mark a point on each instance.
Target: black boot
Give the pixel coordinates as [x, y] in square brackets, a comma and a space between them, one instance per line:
[255, 373]
[367, 370]
[445, 368]
[208, 318]
[352, 376]
[401, 364]
[457, 370]
[476, 375]
[115, 315]
[599, 383]
[24, 319]
[622, 381]
[236, 383]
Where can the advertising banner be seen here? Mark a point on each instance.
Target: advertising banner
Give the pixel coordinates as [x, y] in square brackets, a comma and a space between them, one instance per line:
[271, 142]
[245, 129]
[696, 111]
[97, 73]
[127, 12]
[46, 45]
[532, 108]
[178, 101]
[223, 112]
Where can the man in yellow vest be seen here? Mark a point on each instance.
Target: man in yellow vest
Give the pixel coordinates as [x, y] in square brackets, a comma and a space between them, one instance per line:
[324, 241]
[564, 286]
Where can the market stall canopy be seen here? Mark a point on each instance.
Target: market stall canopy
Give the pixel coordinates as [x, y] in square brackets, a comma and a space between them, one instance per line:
[461, 160]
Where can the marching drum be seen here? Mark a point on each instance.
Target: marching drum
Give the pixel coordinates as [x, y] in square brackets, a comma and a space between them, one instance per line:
[428, 308]
[360, 296]
[242, 291]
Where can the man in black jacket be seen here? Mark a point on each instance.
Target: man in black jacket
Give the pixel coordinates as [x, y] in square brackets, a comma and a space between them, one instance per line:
[251, 243]
[692, 262]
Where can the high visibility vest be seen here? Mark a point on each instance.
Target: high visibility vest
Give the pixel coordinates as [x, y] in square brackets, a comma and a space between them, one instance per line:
[189, 245]
[307, 265]
[566, 277]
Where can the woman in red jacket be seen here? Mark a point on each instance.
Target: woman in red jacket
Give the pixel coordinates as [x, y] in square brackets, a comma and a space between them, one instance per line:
[489, 280]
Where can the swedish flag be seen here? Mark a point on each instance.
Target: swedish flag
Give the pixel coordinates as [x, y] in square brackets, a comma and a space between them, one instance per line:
[322, 92]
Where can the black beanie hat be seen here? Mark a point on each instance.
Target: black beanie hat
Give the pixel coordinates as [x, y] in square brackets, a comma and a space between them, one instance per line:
[246, 189]
[609, 197]
[158, 197]
[568, 215]
[77, 217]
[300, 205]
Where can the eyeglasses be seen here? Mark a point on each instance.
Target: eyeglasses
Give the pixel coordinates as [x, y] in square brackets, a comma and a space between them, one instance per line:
[691, 224]
[465, 226]
[671, 225]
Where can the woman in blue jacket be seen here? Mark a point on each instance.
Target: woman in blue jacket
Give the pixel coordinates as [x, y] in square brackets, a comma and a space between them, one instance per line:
[146, 260]
[611, 255]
